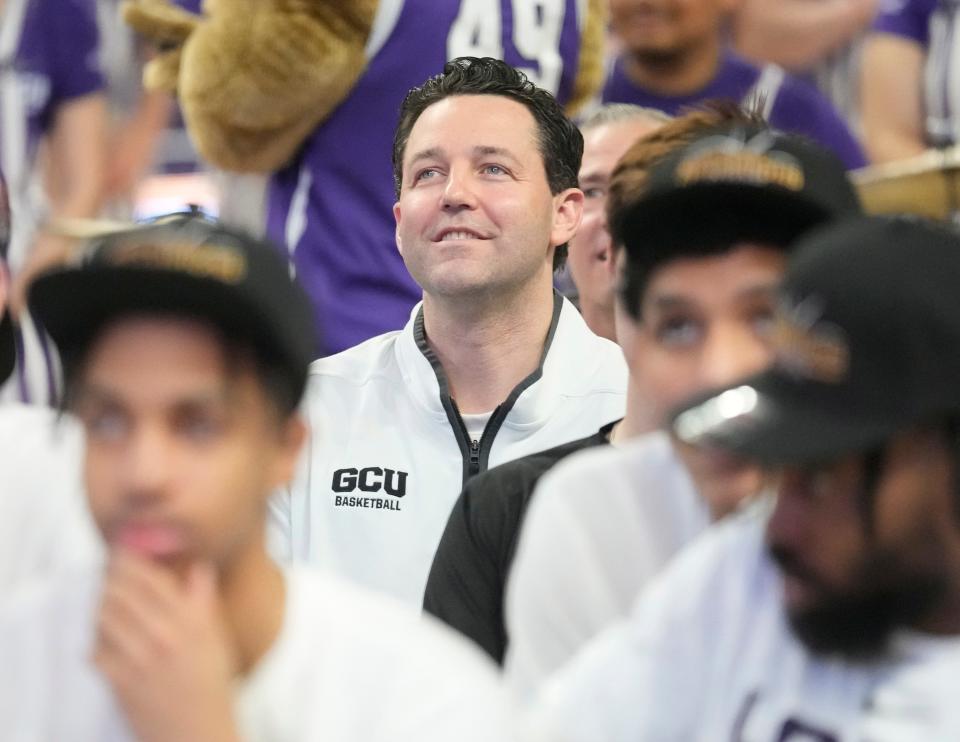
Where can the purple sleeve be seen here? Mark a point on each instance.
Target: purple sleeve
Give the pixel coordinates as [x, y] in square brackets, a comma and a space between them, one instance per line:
[802, 109]
[907, 18]
[75, 69]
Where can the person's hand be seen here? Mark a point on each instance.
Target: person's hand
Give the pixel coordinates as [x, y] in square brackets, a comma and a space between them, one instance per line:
[162, 645]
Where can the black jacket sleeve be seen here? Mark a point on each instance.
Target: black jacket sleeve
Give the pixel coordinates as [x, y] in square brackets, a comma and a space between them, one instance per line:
[465, 585]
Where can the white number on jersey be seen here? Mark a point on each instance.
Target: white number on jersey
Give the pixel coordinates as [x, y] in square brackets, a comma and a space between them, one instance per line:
[537, 27]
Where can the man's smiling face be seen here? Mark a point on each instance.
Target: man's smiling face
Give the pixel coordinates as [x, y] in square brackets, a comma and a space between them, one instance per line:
[475, 213]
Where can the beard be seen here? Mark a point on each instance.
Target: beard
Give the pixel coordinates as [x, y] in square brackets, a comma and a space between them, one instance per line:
[858, 623]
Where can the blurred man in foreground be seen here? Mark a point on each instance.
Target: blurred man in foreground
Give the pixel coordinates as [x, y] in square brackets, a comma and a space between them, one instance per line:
[185, 349]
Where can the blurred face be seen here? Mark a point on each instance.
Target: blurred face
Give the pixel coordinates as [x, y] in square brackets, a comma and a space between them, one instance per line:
[475, 213]
[590, 260]
[704, 324]
[183, 447]
[667, 28]
[860, 555]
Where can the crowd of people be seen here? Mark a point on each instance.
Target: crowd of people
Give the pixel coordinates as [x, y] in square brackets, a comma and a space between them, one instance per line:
[553, 385]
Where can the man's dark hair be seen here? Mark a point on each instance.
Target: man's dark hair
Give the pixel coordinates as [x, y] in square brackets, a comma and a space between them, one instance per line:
[561, 144]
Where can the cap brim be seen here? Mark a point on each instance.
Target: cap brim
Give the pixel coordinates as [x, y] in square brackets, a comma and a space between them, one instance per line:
[74, 305]
[721, 213]
[775, 420]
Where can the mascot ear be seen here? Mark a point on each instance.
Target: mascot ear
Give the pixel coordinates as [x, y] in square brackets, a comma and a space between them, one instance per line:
[159, 20]
[255, 77]
[168, 27]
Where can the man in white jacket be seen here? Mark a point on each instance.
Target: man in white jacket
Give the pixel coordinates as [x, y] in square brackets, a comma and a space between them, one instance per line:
[493, 364]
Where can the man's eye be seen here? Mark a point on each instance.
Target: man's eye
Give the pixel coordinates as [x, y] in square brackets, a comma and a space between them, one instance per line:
[106, 425]
[426, 174]
[678, 331]
[762, 322]
[494, 170]
[594, 192]
[199, 427]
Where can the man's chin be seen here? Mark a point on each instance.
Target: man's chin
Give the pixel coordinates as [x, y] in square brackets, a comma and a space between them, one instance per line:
[658, 54]
[177, 562]
[828, 633]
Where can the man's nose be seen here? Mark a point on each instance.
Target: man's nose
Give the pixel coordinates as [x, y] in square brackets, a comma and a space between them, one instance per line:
[732, 353]
[147, 465]
[458, 191]
[787, 525]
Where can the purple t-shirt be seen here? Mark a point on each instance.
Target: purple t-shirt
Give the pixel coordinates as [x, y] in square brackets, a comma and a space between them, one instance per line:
[908, 18]
[798, 108]
[56, 59]
[332, 206]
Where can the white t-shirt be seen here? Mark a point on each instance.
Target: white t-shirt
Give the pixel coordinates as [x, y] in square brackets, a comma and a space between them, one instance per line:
[44, 522]
[707, 655]
[347, 666]
[600, 525]
[475, 424]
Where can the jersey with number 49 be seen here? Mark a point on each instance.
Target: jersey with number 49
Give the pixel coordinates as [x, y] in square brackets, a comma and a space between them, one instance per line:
[708, 655]
[332, 206]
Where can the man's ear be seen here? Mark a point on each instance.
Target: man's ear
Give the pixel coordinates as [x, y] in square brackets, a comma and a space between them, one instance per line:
[293, 435]
[396, 234]
[568, 211]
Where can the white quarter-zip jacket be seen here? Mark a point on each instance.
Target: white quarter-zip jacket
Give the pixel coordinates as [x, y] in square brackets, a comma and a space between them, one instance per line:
[388, 452]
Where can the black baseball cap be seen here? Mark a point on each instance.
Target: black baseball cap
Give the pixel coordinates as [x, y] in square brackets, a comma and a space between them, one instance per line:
[866, 340]
[184, 264]
[739, 182]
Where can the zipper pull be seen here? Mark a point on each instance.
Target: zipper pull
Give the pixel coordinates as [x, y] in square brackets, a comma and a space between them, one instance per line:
[474, 457]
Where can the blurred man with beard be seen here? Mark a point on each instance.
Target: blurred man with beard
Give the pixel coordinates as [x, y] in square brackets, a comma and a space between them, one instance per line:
[706, 231]
[185, 348]
[832, 611]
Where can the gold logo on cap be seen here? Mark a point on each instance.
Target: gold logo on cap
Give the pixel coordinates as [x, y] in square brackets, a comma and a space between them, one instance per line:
[215, 261]
[747, 167]
[805, 346]
[735, 157]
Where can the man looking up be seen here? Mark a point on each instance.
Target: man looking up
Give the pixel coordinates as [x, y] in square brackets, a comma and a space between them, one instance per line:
[491, 366]
[185, 349]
